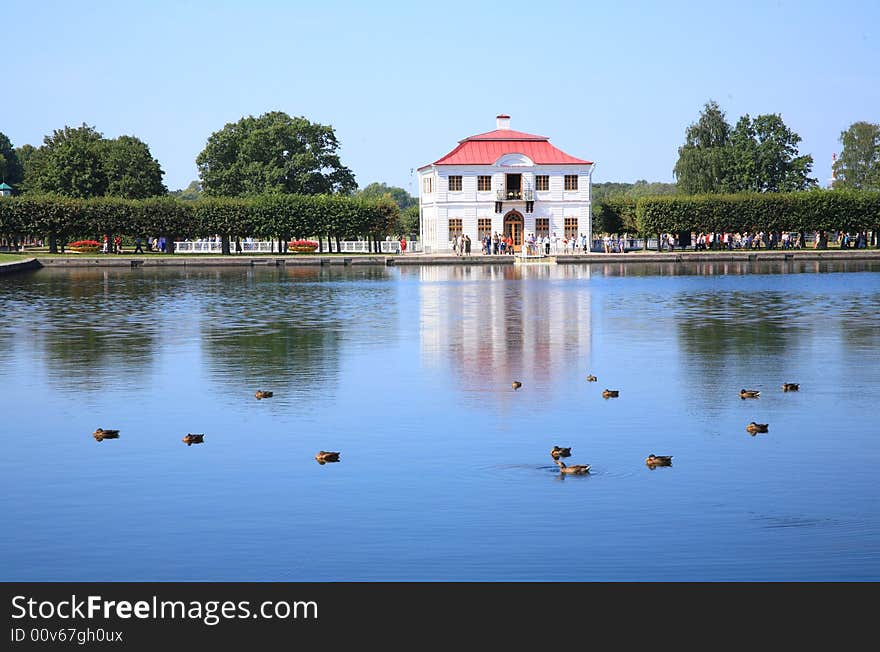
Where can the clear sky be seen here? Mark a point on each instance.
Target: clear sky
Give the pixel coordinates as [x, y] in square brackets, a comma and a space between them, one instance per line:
[402, 82]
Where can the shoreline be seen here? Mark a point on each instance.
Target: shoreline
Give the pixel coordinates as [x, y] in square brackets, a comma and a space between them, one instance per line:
[182, 260]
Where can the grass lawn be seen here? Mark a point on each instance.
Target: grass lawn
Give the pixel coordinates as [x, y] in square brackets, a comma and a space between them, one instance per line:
[13, 258]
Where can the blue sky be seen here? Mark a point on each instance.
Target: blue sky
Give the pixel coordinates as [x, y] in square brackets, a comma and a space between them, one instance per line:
[402, 82]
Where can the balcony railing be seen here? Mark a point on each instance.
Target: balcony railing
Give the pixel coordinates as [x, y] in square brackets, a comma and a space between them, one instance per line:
[514, 195]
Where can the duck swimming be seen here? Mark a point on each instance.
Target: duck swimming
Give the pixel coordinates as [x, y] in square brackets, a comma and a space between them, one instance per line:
[757, 427]
[516, 384]
[100, 434]
[658, 460]
[790, 387]
[263, 394]
[591, 379]
[575, 469]
[749, 393]
[327, 456]
[610, 393]
[556, 452]
[193, 438]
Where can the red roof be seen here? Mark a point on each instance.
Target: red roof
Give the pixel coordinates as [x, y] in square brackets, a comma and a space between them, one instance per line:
[486, 149]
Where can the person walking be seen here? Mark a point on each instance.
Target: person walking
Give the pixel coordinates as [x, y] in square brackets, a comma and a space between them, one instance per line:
[467, 245]
[138, 245]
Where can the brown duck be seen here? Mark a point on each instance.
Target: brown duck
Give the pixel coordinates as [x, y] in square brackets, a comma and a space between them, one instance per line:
[757, 427]
[658, 460]
[516, 384]
[749, 393]
[610, 393]
[327, 456]
[263, 394]
[790, 387]
[100, 434]
[193, 438]
[575, 469]
[591, 379]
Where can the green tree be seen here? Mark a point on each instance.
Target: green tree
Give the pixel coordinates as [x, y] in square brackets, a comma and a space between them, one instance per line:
[11, 171]
[402, 197]
[859, 164]
[26, 154]
[131, 170]
[409, 220]
[764, 157]
[273, 153]
[69, 163]
[703, 164]
[191, 193]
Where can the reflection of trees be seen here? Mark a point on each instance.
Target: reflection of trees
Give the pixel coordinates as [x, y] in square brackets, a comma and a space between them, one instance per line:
[278, 329]
[731, 330]
[87, 320]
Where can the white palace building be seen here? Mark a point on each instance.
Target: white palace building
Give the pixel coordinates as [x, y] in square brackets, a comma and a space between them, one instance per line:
[506, 182]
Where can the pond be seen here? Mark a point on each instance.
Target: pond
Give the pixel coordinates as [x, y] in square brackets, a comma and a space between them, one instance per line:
[444, 471]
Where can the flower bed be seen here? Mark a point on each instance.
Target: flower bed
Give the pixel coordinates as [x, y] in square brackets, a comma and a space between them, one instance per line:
[85, 246]
[302, 246]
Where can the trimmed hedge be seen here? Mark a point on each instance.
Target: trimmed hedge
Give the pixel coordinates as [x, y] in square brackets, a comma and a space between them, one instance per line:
[281, 217]
[816, 210]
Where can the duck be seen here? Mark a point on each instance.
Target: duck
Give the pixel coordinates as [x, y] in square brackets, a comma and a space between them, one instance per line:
[263, 394]
[591, 378]
[327, 456]
[610, 393]
[749, 393]
[100, 434]
[658, 460]
[790, 387]
[557, 452]
[574, 469]
[757, 427]
[193, 438]
[516, 384]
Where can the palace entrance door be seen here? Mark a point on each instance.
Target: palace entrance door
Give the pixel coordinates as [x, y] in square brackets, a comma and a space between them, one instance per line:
[513, 227]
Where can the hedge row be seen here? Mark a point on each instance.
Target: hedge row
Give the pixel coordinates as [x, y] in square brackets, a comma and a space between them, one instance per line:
[274, 216]
[817, 210]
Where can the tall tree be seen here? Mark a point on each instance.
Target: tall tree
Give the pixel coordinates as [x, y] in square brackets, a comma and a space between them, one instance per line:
[131, 170]
[273, 153]
[400, 195]
[764, 157]
[858, 166]
[703, 163]
[11, 171]
[69, 164]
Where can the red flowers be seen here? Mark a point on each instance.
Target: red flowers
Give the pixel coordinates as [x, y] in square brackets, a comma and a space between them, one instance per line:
[84, 246]
[302, 246]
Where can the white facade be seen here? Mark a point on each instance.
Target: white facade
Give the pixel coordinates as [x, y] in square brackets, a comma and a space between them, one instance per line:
[554, 210]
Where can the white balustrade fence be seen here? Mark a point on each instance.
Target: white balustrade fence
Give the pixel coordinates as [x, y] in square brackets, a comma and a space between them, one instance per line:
[256, 247]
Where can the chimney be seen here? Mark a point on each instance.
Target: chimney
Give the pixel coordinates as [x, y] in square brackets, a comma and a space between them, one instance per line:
[502, 121]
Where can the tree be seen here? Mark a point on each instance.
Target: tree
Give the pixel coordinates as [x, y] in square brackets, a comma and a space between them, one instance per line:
[80, 162]
[402, 197]
[764, 157]
[859, 164]
[11, 171]
[703, 159]
[131, 170]
[191, 193]
[273, 153]
[69, 163]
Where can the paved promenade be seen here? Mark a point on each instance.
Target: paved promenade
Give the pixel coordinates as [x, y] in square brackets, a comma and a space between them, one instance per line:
[179, 260]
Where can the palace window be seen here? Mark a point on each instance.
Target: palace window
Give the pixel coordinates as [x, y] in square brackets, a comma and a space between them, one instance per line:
[484, 227]
[454, 227]
[571, 182]
[484, 183]
[571, 228]
[542, 226]
[454, 183]
[427, 185]
[542, 182]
